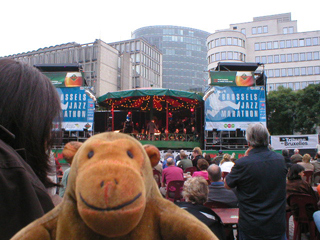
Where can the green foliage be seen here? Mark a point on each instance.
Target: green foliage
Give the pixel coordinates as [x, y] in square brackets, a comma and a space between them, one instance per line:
[290, 111]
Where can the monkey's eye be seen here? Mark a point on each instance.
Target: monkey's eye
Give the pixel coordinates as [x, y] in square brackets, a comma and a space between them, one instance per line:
[90, 154]
[130, 154]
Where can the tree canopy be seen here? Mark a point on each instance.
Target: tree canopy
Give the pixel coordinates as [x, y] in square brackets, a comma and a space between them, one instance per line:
[291, 111]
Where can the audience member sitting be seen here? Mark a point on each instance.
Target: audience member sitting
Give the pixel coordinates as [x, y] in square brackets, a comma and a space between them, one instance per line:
[185, 162]
[68, 153]
[296, 157]
[169, 174]
[295, 183]
[217, 191]
[166, 156]
[226, 164]
[196, 155]
[207, 157]
[306, 163]
[195, 193]
[203, 166]
[316, 164]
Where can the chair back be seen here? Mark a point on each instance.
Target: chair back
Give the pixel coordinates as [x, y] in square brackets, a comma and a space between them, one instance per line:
[215, 204]
[191, 170]
[174, 190]
[302, 207]
[316, 178]
[308, 176]
[157, 177]
[224, 174]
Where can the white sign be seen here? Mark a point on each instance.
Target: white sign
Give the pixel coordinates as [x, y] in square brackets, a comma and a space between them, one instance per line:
[294, 141]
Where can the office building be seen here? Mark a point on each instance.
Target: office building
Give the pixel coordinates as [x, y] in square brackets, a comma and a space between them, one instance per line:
[184, 55]
[146, 62]
[290, 58]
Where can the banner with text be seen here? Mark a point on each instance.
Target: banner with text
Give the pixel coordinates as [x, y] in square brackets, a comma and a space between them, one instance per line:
[232, 78]
[65, 79]
[294, 141]
[77, 109]
[231, 108]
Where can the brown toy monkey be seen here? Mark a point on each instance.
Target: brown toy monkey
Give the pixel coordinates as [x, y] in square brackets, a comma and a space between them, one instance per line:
[111, 194]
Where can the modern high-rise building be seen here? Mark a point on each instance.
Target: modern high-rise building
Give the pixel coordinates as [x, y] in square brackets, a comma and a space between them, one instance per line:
[184, 55]
[291, 58]
[146, 62]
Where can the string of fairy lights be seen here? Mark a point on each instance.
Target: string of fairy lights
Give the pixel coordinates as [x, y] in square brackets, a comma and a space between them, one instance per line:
[158, 103]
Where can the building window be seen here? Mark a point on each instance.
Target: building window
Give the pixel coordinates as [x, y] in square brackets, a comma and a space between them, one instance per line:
[217, 42]
[310, 70]
[290, 72]
[303, 71]
[264, 59]
[218, 57]
[243, 30]
[223, 41]
[289, 57]
[316, 55]
[283, 72]
[316, 70]
[230, 55]
[297, 86]
[302, 56]
[259, 30]
[301, 42]
[304, 85]
[270, 73]
[269, 45]
[295, 42]
[276, 58]
[235, 56]
[235, 41]
[283, 58]
[308, 41]
[290, 85]
[270, 59]
[256, 46]
[290, 29]
[257, 59]
[229, 41]
[297, 71]
[277, 72]
[285, 30]
[309, 56]
[254, 30]
[275, 44]
[263, 46]
[296, 57]
[282, 44]
[265, 29]
[288, 43]
[223, 55]
[315, 41]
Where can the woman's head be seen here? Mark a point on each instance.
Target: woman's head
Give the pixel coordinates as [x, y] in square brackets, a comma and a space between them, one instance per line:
[295, 172]
[306, 158]
[195, 190]
[202, 164]
[28, 105]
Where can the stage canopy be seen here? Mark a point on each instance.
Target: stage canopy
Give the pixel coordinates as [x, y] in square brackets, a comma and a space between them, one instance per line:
[159, 99]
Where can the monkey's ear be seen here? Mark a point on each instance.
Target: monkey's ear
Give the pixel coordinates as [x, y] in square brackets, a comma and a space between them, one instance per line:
[153, 153]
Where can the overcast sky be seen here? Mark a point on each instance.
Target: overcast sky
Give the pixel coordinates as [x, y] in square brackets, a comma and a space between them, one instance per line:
[30, 25]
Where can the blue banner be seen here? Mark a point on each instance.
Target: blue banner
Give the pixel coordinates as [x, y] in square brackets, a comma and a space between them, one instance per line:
[231, 108]
[77, 109]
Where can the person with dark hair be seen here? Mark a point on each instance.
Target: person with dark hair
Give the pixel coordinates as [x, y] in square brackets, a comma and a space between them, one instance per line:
[285, 154]
[29, 103]
[260, 179]
[203, 166]
[196, 155]
[295, 183]
[217, 191]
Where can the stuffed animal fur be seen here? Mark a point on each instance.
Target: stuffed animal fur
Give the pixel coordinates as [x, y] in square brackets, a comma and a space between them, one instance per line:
[111, 194]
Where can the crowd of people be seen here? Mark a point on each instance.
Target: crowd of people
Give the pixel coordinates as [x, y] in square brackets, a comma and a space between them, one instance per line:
[259, 184]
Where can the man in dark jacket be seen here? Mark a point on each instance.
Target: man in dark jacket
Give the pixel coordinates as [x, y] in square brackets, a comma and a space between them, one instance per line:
[260, 179]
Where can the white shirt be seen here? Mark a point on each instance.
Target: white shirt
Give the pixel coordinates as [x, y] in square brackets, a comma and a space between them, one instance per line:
[226, 166]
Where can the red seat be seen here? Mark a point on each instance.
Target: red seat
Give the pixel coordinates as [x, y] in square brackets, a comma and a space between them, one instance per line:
[191, 170]
[174, 191]
[308, 176]
[215, 204]
[157, 177]
[302, 208]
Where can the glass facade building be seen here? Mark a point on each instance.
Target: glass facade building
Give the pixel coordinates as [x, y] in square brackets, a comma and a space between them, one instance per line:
[184, 55]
